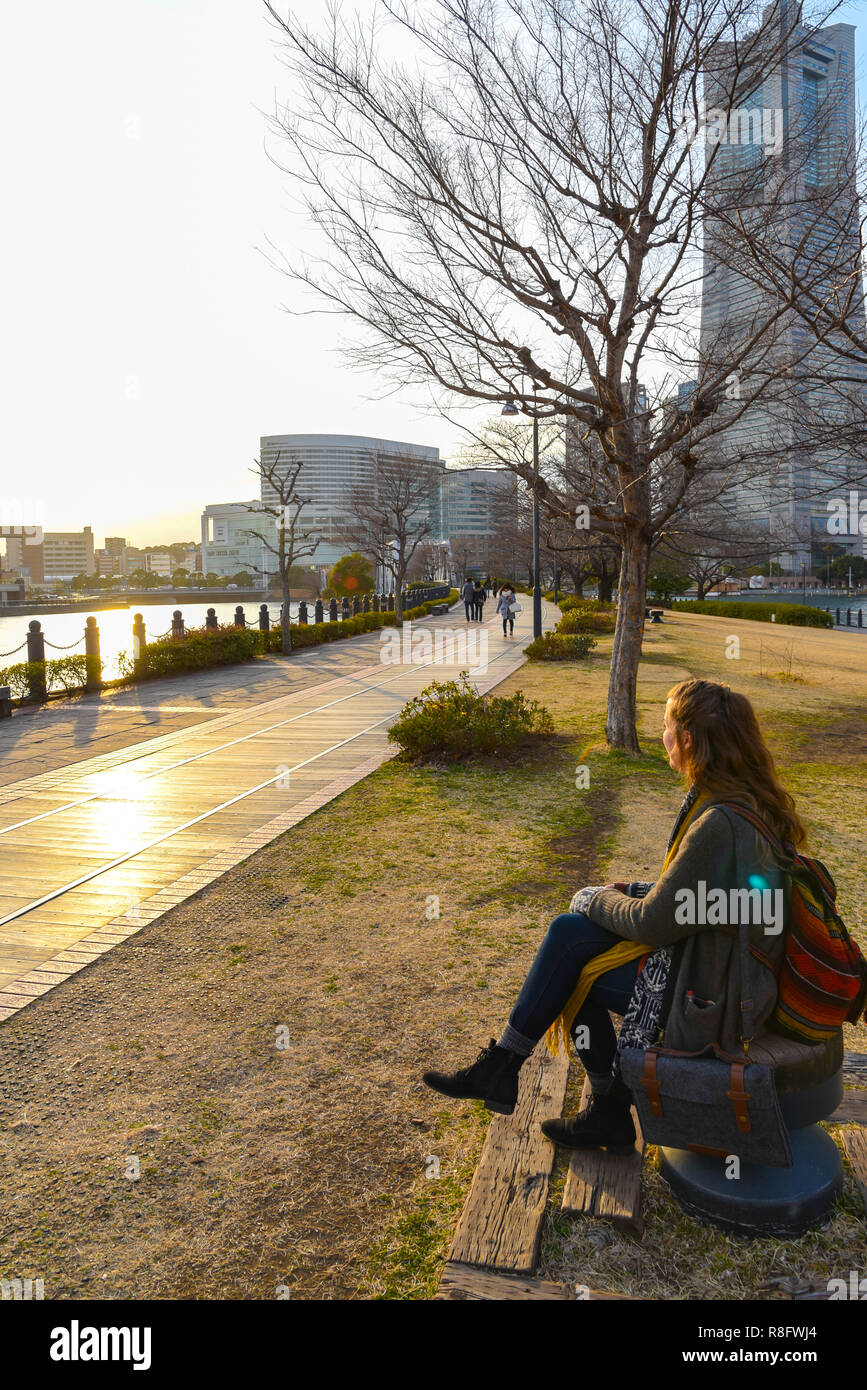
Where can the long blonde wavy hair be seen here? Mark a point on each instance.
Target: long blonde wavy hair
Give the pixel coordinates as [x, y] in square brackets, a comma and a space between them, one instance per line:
[727, 754]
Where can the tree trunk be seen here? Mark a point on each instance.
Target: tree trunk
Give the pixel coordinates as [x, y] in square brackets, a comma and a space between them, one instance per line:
[605, 583]
[700, 585]
[620, 728]
[285, 629]
[398, 591]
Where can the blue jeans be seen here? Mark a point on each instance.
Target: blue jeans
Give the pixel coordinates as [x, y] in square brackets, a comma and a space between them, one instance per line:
[570, 942]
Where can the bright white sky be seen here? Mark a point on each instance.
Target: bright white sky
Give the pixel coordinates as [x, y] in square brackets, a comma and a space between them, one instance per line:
[146, 347]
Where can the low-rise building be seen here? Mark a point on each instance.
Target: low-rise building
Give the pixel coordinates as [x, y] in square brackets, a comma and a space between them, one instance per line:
[228, 543]
[68, 553]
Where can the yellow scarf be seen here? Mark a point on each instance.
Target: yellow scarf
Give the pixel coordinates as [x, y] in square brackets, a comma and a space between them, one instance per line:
[557, 1036]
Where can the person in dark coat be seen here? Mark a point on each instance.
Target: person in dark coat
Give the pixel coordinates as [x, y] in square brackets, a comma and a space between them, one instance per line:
[479, 597]
[468, 596]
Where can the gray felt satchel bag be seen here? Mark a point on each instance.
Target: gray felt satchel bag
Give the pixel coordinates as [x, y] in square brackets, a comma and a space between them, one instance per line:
[710, 1101]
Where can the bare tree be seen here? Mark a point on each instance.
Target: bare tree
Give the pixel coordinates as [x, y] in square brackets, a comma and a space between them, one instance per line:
[289, 539]
[513, 210]
[394, 519]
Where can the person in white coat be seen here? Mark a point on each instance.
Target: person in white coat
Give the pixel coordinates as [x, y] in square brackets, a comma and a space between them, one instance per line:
[507, 606]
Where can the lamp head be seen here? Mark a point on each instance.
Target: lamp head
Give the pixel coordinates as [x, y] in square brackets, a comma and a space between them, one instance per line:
[510, 408]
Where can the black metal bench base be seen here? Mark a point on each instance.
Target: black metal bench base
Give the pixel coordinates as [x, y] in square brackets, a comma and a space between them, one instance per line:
[762, 1201]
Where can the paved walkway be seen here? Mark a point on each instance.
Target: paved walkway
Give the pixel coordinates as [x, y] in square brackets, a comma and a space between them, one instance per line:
[192, 777]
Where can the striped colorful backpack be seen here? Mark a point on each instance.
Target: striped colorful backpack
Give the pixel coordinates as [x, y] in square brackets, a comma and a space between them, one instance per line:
[823, 978]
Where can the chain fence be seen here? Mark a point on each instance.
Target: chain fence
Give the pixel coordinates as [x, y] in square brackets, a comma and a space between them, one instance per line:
[3, 655]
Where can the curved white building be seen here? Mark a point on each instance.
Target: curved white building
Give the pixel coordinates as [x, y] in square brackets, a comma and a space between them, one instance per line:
[333, 466]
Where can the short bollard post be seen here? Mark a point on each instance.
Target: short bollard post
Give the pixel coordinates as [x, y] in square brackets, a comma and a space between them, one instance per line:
[36, 660]
[302, 613]
[5, 702]
[239, 619]
[391, 602]
[838, 617]
[848, 617]
[92, 660]
[177, 623]
[332, 611]
[139, 638]
[344, 608]
[211, 619]
[365, 604]
[860, 617]
[376, 607]
[264, 618]
[356, 606]
[318, 612]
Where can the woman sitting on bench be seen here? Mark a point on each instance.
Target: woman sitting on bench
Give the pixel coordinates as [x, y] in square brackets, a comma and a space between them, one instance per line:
[691, 989]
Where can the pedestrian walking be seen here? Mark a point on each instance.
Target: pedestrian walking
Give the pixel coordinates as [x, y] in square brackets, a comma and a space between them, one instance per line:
[507, 607]
[479, 597]
[467, 594]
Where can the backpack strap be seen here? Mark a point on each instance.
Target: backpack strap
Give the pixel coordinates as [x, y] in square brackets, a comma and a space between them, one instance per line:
[756, 820]
[747, 1003]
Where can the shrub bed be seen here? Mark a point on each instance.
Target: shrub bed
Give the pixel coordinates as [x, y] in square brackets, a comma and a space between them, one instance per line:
[312, 634]
[567, 602]
[449, 719]
[560, 646]
[791, 614]
[588, 616]
[67, 672]
[197, 649]
[200, 648]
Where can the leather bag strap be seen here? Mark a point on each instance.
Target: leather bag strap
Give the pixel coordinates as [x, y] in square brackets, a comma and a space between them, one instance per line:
[740, 1097]
[651, 1082]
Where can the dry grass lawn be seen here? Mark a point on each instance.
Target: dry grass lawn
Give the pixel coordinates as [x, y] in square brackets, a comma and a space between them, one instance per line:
[258, 1050]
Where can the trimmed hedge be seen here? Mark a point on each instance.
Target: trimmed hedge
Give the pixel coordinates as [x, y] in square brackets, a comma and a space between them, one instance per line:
[449, 719]
[313, 634]
[204, 647]
[567, 602]
[789, 614]
[560, 646]
[588, 616]
[198, 649]
[70, 672]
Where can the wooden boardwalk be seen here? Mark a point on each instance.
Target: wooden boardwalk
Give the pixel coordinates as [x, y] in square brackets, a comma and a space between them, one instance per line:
[92, 849]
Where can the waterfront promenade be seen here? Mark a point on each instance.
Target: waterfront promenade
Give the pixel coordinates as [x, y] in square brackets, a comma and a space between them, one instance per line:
[115, 808]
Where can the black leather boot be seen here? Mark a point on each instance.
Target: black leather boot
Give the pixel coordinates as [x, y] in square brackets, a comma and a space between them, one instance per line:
[605, 1124]
[493, 1078]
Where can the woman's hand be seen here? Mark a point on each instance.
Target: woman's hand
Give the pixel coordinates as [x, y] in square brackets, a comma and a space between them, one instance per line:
[581, 900]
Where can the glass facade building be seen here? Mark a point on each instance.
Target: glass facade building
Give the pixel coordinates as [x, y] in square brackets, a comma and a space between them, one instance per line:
[798, 139]
[333, 467]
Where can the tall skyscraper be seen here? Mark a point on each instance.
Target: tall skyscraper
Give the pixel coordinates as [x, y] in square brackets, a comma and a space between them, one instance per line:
[473, 504]
[795, 136]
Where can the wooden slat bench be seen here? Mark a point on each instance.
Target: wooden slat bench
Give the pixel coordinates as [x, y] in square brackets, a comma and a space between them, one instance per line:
[606, 1185]
[461, 1282]
[495, 1250]
[501, 1224]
